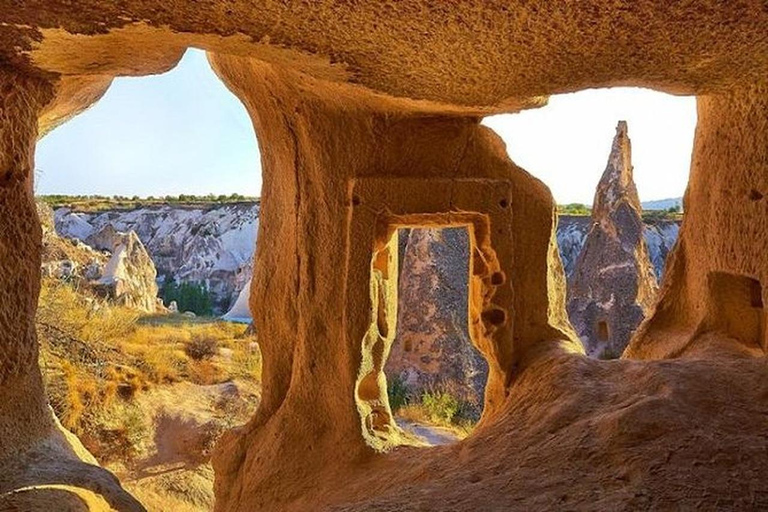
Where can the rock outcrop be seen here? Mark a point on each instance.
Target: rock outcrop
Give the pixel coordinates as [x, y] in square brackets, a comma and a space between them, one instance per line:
[612, 287]
[660, 237]
[432, 350]
[210, 245]
[111, 264]
[67, 259]
[241, 309]
[129, 277]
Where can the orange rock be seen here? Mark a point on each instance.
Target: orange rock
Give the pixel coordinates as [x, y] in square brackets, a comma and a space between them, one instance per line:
[368, 115]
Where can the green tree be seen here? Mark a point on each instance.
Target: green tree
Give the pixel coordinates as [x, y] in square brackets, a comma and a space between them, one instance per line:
[189, 296]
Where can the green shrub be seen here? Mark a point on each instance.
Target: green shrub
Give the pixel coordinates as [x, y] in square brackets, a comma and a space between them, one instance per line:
[397, 393]
[440, 406]
[573, 209]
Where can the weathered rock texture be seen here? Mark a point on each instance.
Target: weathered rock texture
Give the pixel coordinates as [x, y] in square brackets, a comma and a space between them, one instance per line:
[660, 237]
[44, 467]
[432, 350]
[211, 246]
[324, 350]
[120, 270]
[129, 276]
[67, 260]
[613, 286]
[367, 114]
[714, 291]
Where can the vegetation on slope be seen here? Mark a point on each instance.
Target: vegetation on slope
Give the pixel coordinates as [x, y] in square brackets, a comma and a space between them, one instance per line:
[438, 407]
[97, 203]
[99, 358]
[574, 209]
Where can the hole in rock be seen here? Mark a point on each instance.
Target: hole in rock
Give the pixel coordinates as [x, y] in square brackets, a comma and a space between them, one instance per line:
[436, 376]
[754, 195]
[617, 163]
[149, 212]
[737, 307]
[602, 330]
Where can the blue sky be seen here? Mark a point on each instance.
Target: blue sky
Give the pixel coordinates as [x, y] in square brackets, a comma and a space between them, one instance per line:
[184, 133]
[180, 132]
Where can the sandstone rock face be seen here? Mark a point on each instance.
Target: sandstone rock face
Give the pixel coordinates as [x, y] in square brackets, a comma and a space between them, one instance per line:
[43, 466]
[368, 116]
[660, 237]
[715, 290]
[129, 275]
[67, 259]
[213, 246]
[323, 302]
[612, 286]
[432, 350]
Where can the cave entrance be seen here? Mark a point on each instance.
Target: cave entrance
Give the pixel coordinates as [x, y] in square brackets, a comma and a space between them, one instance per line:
[738, 308]
[436, 376]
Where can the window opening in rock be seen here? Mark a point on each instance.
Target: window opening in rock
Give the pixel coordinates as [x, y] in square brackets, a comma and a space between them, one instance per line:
[737, 307]
[150, 193]
[436, 375]
[602, 330]
[619, 215]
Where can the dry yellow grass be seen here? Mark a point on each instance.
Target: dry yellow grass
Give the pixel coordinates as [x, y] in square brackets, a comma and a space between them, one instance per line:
[97, 357]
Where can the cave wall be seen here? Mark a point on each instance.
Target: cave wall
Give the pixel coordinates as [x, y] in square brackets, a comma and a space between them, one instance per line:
[335, 167]
[42, 464]
[24, 418]
[368, 116]
[724, 233]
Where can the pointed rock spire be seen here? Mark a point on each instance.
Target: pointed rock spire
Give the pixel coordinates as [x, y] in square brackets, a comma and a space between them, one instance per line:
[613, 286]
[617, 182]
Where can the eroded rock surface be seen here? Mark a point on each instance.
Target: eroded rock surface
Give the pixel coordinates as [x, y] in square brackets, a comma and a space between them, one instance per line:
[612, 286]
[432, 351]
[111, 264]
[660, 237]
[67, 259]
[212, 246]
[346, 93]
[129, 276]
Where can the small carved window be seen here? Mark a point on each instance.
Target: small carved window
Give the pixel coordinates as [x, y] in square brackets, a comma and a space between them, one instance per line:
[602, 330]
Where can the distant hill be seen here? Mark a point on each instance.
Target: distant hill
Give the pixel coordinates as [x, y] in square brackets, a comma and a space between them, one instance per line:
[98, 203]
[663, 204]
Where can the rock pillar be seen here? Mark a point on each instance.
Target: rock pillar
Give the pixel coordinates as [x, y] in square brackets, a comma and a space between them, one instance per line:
[716, 280]
[43, 466]
[432, 350]
[613, 285]
[24, 418]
